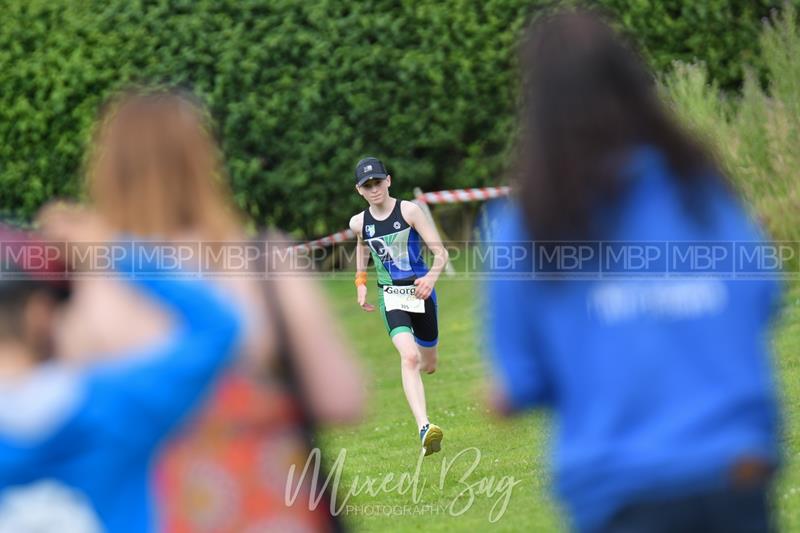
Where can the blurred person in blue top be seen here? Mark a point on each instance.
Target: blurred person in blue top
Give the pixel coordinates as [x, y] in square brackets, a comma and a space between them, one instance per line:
[662, 389]
[76, 444]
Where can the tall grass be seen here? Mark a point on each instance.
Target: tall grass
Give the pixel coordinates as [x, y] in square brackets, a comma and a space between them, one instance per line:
[755, 134]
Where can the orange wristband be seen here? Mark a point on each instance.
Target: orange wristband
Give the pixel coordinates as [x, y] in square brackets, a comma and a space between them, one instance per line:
[361, 278]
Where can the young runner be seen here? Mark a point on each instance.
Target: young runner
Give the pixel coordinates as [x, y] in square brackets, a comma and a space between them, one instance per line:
[391, 230]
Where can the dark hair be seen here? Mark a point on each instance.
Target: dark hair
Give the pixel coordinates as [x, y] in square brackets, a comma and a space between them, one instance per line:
[587, 99]
[19, 281]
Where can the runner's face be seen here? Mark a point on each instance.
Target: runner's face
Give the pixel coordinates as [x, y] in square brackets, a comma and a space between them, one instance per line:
[375, 191]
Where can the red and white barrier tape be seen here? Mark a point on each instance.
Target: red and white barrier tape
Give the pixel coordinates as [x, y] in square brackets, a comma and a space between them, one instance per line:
[339, 236]
[452, 196]
[455, 196]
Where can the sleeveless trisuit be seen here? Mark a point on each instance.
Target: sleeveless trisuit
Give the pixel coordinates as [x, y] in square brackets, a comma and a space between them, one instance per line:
[397, 253]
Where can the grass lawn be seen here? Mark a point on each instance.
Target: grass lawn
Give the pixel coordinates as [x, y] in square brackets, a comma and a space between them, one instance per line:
[484, 464]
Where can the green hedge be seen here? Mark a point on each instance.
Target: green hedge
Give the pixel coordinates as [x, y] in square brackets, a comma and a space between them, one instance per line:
[301, 89]
[721, 33]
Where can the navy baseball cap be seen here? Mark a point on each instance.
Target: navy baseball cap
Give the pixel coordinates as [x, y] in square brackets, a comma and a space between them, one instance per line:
[370, 168]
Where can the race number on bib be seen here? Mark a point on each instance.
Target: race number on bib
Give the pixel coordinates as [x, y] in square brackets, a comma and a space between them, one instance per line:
[402, 299]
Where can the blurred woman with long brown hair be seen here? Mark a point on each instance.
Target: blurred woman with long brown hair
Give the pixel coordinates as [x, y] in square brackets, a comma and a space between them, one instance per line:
[155, 171]
[658, 371]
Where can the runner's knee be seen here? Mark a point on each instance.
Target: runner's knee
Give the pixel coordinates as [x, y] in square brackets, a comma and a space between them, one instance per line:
[410, 358]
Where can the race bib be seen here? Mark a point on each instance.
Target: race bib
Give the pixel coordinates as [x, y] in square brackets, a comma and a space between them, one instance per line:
[402, 299]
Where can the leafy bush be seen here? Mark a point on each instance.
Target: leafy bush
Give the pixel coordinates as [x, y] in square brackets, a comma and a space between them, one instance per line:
[721, 33]
[300, 90]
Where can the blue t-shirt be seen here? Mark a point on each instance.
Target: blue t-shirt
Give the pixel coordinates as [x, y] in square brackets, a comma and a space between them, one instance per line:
[76, 445]
[658, 385]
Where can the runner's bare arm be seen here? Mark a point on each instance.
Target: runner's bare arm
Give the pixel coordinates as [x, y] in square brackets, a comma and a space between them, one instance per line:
[362, 253]
[362, 260]
[417, 219]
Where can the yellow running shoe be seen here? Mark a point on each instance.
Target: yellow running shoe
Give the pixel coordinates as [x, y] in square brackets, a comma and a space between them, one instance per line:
[431, 436]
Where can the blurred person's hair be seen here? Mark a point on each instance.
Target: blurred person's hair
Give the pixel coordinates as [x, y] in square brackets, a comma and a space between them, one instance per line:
[587, 99]
[19, 285]
[155, 168]
[14, 298]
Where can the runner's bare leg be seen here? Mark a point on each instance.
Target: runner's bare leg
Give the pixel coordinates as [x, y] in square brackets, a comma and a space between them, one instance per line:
[429, 359]
[410, 372]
